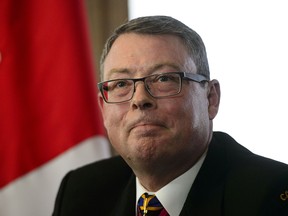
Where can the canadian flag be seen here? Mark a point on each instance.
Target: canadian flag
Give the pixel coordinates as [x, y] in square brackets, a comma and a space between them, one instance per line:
[49, 119]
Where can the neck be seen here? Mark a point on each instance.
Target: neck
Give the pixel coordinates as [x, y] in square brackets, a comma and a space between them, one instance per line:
[153, 183]
[153, 178]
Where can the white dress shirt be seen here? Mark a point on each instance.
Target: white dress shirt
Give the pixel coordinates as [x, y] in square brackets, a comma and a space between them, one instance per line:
[173, 195]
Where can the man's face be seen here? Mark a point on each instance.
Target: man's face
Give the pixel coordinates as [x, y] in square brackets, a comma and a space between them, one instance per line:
[145, 129]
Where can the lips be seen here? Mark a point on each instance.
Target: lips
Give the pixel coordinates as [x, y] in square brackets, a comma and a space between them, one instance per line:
[145, 127]
[145, 123]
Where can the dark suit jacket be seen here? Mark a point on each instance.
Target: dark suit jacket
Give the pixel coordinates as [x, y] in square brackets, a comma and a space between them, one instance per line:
[232, 181]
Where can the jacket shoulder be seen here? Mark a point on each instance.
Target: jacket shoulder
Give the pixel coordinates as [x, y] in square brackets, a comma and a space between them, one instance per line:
[82, 190]
[253, 181]
[103, 171]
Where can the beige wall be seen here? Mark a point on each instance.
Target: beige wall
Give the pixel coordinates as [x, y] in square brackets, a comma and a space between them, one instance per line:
[103, 17]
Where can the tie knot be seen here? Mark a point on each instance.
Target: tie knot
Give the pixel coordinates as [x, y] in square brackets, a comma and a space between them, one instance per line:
[149, 205]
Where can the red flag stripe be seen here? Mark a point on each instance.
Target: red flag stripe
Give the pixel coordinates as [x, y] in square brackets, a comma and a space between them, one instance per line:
[47, 87]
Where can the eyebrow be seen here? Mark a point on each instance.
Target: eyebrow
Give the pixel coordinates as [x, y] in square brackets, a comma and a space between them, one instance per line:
[118, 71]
[150, 69]
[163, 65]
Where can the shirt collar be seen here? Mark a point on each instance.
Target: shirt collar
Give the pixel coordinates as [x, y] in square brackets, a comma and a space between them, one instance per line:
[173, 195]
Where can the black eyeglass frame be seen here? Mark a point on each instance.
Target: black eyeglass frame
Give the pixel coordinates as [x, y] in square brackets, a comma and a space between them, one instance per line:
[183, 76]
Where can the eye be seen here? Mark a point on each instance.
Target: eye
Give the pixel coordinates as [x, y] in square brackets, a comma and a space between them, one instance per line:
[163, 78]
[166, 78]
[121, 83]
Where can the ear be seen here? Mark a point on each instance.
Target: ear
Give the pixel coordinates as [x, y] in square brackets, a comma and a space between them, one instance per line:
[213, 98]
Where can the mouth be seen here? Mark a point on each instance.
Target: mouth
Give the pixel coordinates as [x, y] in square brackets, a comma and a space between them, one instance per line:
[146, 130]
[146, 125]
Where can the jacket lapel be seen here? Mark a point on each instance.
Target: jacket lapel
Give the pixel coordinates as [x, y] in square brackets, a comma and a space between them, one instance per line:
[127, 200]
[206, 194]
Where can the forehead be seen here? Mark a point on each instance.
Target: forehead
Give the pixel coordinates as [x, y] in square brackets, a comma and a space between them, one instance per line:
[140, 54]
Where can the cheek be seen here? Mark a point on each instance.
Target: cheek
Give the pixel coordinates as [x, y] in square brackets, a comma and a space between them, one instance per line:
[194, 110]
[178, 114]
[112, 124]
[111, 116]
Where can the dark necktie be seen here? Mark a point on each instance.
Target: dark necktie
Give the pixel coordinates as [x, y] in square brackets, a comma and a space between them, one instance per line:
[149, 205]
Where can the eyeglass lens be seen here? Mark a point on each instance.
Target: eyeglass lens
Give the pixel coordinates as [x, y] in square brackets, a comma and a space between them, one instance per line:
[162, 85]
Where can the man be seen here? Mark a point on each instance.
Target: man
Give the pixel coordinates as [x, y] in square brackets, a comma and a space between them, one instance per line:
[158, 104]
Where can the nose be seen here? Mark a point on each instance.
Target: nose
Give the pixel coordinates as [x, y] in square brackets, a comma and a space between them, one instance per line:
[141, 98]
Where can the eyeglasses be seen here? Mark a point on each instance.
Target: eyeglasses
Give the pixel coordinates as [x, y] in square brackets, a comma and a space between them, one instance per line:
[157, 85]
